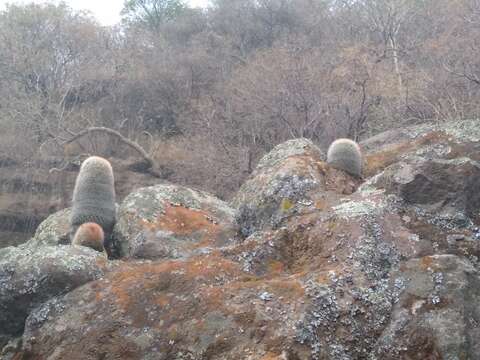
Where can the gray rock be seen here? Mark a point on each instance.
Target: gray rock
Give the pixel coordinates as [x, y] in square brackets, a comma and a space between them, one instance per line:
[54, 230]
[437, 185]
[438, 313]
[285, 182]
[458, 131]
[170, 221]
[9, 350]
[294, 147]
[29, 277]
[386, 272]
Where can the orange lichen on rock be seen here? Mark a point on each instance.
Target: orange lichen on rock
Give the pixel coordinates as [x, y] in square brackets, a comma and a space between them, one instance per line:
[183, 221]
[167, 288]
[163, 299]
[211, 266]
[214, 298]
[299, 163]
[179, 231]
[427, 262]
[161, 276]
[102, 262]
[378, 161]
[275, 267]
[289, 288]
[272, 356]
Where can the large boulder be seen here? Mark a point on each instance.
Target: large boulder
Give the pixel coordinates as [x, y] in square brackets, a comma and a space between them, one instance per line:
[325, 287]
[437, 315]
[30, 277]
[369, 272]
[171, 221]
[54, 230]
[455, 139]
[294, 147]
[199, 308]
[289, 179]
[437, 185]
[433, 169]
[339, 233]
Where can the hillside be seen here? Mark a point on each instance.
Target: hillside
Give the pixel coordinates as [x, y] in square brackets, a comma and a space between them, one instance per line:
[305, 262]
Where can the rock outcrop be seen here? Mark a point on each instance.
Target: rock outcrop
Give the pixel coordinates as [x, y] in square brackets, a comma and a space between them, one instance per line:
[327, 266]
[292, 178]
[437, 313]
[170, 221]
[28, 278]
[440, 185]
[54, 230]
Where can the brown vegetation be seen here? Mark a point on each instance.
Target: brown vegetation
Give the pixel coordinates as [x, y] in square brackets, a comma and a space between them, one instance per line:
[205, 93]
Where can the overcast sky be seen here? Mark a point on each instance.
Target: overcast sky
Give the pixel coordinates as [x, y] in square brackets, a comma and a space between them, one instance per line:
[106, 11]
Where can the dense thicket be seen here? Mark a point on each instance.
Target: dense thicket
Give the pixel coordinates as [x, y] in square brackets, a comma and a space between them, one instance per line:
[207, 92]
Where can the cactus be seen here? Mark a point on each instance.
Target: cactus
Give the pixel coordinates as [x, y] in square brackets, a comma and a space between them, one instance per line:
[94, 196]
[90, 235]
[345, 154]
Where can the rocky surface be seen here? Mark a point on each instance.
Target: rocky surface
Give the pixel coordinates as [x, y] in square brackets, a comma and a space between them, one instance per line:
[171, 221]
[289, 179]
[29, 278]
[437, 314]
[54, 230]
[441, 185]
[294, 147]
[328, 267]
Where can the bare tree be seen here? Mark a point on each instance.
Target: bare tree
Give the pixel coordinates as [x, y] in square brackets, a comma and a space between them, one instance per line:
[387, 19]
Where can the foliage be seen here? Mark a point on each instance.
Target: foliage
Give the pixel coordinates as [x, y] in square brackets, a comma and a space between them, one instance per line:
[152, 13]
[208, 92]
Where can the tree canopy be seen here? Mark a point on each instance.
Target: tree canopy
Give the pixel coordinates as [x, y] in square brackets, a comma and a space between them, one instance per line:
[216, 88]
[152, 13]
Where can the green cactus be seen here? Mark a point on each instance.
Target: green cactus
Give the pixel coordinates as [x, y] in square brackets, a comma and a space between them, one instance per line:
[345, 154]
[90, 235]
[94, 196]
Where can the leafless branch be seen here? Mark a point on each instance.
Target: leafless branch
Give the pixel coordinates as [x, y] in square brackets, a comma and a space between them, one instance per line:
[103, 130]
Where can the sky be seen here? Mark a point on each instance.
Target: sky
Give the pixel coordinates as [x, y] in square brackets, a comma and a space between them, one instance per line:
[106, 11]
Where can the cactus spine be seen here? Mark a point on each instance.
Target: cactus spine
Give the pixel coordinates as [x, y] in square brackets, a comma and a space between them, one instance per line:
[90, 235]
[345, 154]
[94, 196]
